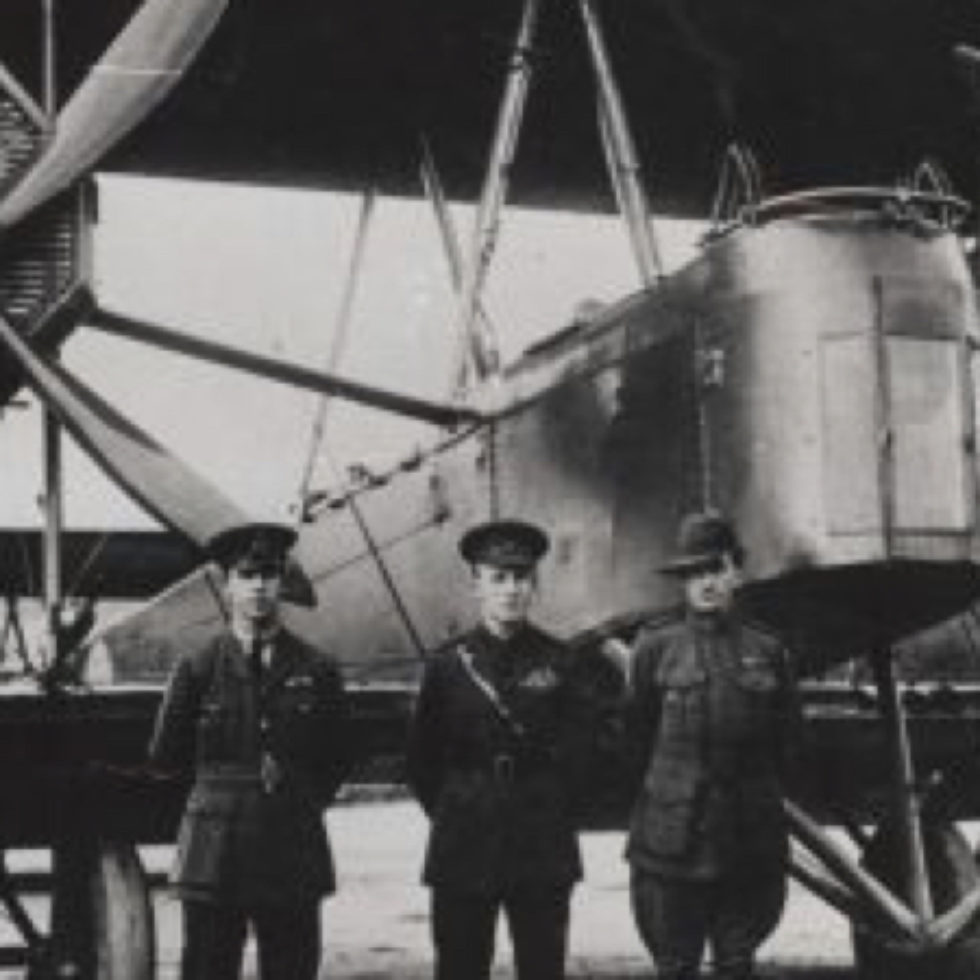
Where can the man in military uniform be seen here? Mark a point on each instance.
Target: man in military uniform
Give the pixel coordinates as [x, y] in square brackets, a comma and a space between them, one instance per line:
[712, 714]
[490, 759]
[259, 717]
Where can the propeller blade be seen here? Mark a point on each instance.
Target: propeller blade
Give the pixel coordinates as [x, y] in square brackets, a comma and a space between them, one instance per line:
[434, 413]
[166, 487]
[139, 68]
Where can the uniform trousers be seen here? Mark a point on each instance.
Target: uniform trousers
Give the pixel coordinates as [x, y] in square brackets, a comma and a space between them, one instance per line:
[677, 918]
[464, 927]
[287, 937]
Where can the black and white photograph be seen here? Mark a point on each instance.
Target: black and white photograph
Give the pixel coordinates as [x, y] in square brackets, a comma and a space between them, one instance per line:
[489, 489]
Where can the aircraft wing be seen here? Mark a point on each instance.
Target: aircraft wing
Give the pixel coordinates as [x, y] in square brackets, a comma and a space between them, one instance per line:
[337, 94]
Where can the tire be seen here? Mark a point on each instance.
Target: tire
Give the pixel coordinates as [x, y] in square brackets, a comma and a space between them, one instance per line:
[952, 874]
[102, 925]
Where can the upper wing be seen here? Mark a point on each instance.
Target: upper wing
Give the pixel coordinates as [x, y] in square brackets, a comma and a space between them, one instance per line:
[336, 93]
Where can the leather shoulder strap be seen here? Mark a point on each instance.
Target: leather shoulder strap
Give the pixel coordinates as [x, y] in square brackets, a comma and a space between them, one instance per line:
[487, 689]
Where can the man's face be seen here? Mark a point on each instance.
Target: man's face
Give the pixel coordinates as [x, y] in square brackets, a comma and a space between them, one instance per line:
[504, 594]
[711, 587]
[253, 591]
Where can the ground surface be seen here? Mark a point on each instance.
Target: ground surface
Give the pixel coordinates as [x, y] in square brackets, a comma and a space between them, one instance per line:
[377, 926]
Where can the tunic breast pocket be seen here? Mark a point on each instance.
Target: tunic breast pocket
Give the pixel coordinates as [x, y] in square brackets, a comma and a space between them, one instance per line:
[297, 700]
[757, 684]
[212, 723]
[294, 724]
[300, 704]
[757, 678]
[750, 710]
[682, 706]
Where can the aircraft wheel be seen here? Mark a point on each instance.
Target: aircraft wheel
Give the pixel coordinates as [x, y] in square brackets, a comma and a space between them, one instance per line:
[102, 925]
[952, 873]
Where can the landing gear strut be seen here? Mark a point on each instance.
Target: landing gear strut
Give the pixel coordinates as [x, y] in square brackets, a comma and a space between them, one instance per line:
[914, 898]
[952, 875]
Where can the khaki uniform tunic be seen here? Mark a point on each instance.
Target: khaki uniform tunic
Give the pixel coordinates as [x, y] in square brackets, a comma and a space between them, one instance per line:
[244, 839]
[713, 714]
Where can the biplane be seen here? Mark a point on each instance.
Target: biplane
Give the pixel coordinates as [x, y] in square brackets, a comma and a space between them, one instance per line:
[812, 372]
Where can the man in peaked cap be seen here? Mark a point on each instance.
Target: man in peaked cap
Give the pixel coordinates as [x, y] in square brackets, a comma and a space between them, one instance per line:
[504, 544]
[713, 717]
[490, 758]
[258, 717]
[260, 543]
[264, 540]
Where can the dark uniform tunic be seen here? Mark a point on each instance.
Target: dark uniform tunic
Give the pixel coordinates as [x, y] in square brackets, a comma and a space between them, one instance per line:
[713, 715]
[253, 841]
[492, 760]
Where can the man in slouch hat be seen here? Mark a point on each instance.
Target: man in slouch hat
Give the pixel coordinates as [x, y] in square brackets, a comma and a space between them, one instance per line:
[713, 719]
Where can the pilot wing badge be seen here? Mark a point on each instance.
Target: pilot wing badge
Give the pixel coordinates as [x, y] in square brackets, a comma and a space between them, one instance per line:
[542, 679]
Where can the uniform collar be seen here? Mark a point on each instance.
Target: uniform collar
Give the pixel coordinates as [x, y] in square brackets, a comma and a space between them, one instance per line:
[246, 638]
[270, 651]
[491, 642]
[712, 623]
[279, 655]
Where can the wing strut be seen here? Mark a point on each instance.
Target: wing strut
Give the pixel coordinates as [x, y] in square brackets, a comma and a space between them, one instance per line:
[481, 350]
[291, 374]
[620, 151]
[387, 578]
[447, 233]
[337, 344]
